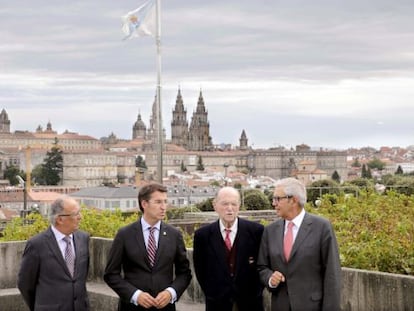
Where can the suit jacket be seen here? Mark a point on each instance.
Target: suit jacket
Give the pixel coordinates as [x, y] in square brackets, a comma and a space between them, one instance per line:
[44, 279]
[129, 255]
[220, 288]
[313, 273]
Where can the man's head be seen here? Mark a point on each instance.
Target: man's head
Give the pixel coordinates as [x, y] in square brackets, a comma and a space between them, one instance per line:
[227, 205]
[65, 214]
[289, 197]
[152, 199]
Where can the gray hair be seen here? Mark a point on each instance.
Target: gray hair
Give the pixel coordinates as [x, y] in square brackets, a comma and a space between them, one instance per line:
[56, 208]
[293, 187]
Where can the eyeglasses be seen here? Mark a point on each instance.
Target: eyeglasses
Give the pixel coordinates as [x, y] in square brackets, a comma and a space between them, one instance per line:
[277, 199]
[158, 202]
[71, 214]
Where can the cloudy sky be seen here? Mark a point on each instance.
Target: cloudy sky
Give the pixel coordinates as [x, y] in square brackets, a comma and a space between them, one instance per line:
[327, 73]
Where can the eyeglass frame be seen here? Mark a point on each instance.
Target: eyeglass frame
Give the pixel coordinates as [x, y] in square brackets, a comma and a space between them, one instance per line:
[71, 214]
[277, 199]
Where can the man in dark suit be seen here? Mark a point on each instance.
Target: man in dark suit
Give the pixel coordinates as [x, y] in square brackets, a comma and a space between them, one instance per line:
[145, 255]
[55, 262]
[225, 257]
[299, 259]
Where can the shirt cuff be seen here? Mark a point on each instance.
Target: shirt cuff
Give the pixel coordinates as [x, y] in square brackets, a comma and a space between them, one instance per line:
[173, 294]
[134, 298]
[270, 285]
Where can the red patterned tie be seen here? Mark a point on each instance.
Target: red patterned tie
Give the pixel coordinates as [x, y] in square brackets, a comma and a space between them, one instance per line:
[227, 240]
[151, 248]
[288, 241]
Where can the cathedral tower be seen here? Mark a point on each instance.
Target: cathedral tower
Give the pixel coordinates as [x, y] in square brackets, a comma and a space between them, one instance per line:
[179, 123]
[199, 133]
[243, 141]
[4, 122]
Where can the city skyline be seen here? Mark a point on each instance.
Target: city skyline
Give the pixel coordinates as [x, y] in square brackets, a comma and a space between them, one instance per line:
[327, 74]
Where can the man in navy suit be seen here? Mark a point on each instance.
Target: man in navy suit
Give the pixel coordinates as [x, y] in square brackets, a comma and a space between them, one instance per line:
[143, 281]
[225, 257]
[46, 281]
[306, 276]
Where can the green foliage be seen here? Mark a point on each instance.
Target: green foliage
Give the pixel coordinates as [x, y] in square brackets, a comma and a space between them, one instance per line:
[105, 223]
[178, 212]
[200, 165]
[255, 199]
[336, 177]
[50, 172]
[356, 163]
[361, 183]
[366, 172]
[374, 231]
[10, 174]
[206, 205]
[320, 187]
[183, 167]
[16, 231]
[140, 162]
[376, 164]
[399, 170]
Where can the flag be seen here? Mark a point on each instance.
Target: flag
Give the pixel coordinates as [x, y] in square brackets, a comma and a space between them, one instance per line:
[140, 22]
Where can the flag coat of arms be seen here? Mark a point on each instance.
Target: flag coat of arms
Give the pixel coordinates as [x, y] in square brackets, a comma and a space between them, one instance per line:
[140, 22]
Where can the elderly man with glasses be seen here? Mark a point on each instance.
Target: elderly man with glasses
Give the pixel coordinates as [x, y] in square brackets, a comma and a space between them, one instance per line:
[298, 258]
[55, 262]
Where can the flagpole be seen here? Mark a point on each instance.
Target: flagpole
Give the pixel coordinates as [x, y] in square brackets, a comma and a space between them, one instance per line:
[159, 119]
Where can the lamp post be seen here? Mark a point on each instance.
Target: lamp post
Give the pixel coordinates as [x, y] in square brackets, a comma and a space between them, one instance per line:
[23, 184]
[226, 165]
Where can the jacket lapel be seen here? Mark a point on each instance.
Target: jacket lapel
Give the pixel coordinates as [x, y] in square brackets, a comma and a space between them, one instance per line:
[139, 235]
[217, 243]
[303, 233]
[54, 247]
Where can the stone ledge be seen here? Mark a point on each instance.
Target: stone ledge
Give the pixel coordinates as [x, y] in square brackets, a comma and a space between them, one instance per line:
[101, 298]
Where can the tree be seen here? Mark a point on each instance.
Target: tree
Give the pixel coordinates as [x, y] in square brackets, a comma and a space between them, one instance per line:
[399, 170]
[366, 172]
[52, 167]
[140, 162]
[200, 165]
[256, 200]
[356, 163]
[376, 164]
[10, 174]
[336, 177]
[183, 167]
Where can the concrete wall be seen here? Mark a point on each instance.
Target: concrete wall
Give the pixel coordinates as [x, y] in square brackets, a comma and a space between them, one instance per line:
[361, 290]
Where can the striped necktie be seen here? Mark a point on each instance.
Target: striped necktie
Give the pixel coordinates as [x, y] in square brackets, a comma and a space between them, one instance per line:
[152, 247]
[69, 255]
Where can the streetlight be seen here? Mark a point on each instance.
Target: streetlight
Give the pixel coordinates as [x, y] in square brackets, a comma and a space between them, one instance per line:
[226, 165]
[23, 184]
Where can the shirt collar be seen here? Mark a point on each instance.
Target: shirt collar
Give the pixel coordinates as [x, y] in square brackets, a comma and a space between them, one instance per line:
[233, 228]
[297, 221]
[146, 225]
[59, 235]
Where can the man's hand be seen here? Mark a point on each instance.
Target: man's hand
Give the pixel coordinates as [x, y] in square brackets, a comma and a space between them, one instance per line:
[146, 300]
[163, 298]
[276, 278]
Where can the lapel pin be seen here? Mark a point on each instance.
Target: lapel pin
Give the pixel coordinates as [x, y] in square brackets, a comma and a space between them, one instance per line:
[164, 233]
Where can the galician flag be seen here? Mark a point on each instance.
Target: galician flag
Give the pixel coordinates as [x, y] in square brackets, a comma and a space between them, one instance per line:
[140, 22]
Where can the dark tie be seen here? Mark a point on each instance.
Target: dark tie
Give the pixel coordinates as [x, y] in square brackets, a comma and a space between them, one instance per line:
[152, 247]
[227, 240]
[288, 241]
[69, 255]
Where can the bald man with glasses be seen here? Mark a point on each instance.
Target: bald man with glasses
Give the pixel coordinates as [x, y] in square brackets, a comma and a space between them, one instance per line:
[55, 262]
